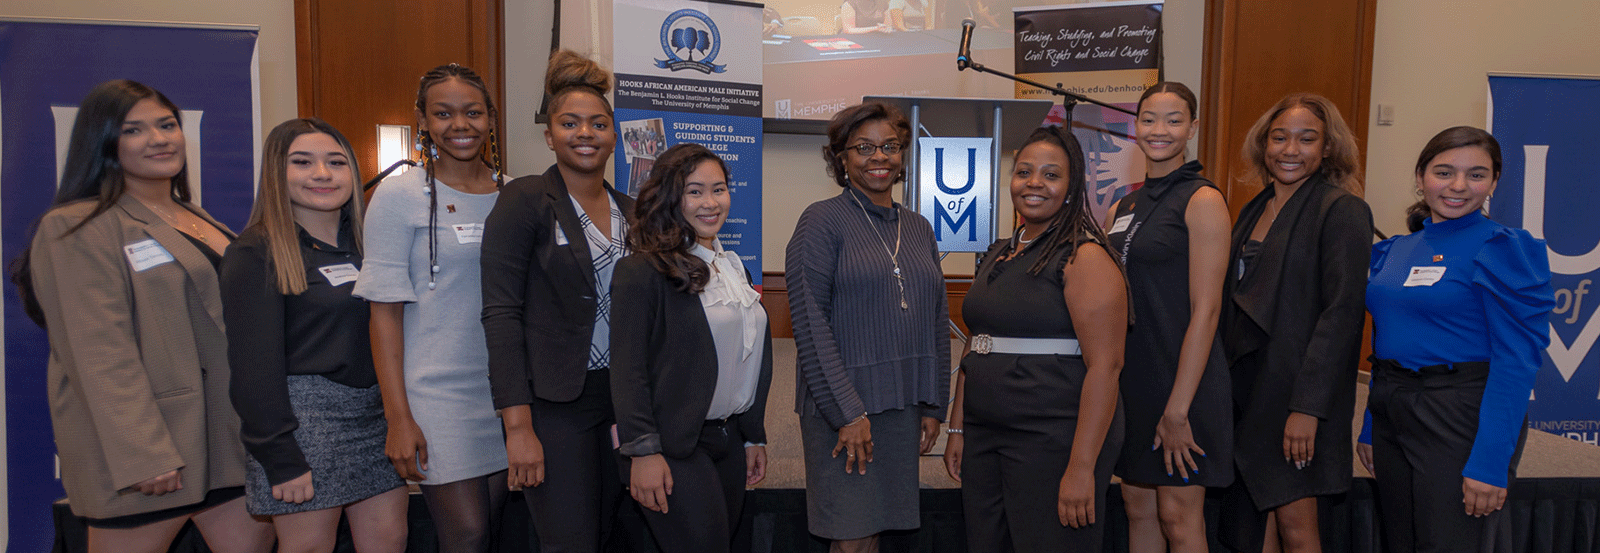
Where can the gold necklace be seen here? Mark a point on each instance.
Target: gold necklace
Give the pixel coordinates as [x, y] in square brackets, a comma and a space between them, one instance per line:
[894, 256]
[173, 220]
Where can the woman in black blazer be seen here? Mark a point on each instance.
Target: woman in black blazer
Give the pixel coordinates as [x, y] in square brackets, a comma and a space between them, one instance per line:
[546, 293]
[1292, 315]
[691, 358]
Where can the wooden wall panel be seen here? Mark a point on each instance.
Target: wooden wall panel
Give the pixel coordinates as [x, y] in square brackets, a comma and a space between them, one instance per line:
[358, 61]
[1258, 51]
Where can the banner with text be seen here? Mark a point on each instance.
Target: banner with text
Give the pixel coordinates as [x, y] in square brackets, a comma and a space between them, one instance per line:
[46, 68]
[677, 83]
[1548, 187]
[1108, 51]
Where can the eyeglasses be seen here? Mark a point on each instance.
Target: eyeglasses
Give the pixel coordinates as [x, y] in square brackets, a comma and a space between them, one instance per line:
[889, 149]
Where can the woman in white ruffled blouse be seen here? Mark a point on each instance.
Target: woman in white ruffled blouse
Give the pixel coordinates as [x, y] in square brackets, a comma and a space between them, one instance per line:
[691, 358]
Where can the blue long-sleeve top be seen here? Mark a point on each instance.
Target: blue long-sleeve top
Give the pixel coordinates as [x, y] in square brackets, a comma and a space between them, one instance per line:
[1492, 304]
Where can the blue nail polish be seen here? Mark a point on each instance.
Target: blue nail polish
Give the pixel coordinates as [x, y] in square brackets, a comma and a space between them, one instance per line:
[1153, 447]
[1202, 455]
[1185, 479]
[1197, 471]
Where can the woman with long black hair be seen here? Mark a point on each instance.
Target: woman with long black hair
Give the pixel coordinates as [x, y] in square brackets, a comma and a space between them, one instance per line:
[123, 273]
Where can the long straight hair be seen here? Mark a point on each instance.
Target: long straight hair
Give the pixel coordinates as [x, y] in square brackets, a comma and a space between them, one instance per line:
[660, 233]
[93, 169]
[273, 211]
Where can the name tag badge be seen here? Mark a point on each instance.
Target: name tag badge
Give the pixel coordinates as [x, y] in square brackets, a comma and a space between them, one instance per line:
[1424, 276]
[339, 274]
[470, 233]
[561, 235]
[145, 254]
[1121, 223]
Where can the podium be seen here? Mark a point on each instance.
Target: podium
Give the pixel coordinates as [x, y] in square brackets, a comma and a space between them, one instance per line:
[943, 123]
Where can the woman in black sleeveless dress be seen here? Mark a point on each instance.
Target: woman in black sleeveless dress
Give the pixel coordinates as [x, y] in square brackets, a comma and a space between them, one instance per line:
[1172, 237]
[1036, 431]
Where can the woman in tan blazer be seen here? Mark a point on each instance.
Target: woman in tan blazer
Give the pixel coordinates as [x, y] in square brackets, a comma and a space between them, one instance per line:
[123, 277]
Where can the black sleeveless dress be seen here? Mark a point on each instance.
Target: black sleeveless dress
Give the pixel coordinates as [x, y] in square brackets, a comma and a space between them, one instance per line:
[1020, 412]
[1151, 236]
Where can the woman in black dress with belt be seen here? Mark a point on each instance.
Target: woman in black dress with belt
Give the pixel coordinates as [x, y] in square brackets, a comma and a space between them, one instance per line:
[1036, 424]
[1172, 236]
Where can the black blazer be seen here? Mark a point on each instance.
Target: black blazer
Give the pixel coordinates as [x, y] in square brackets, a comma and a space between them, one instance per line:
[1292, 332]
[538, 296]
[664, 365]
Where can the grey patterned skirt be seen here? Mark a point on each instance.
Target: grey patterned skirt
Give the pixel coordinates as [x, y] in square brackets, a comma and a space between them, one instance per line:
[341, 433]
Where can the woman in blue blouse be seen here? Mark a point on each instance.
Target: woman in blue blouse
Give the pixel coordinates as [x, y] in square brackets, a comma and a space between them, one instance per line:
[1460, 311]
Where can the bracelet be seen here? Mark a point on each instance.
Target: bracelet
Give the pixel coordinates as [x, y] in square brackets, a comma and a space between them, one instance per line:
[955, 431]
[856, 420]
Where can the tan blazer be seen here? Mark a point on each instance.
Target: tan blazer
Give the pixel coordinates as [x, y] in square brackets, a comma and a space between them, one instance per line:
[138, 376]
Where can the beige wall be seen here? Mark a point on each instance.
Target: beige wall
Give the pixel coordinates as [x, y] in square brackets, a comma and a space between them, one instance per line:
[276, 43]
[1430, 61]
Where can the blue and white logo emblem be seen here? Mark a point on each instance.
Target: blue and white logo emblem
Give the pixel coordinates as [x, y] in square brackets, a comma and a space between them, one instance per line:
[691, 34]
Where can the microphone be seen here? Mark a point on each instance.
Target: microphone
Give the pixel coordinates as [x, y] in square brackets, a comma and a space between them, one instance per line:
[964, 55]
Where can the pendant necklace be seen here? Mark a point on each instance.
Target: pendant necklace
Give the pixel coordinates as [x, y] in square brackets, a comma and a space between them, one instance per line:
[170, 218]
[894, 255]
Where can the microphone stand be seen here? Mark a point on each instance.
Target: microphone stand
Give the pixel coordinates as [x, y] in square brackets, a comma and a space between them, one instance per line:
[385, 173]
[1069, 99]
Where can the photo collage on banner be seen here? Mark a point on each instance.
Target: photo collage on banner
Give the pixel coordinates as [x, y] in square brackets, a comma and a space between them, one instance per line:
[691, 72]
[46, 69]
[1108, 51]
[1547, 187]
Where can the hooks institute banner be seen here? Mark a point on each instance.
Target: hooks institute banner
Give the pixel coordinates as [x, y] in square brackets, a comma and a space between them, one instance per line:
[1548, 186]
[1109, 51]
[686, 73]
[46, 68]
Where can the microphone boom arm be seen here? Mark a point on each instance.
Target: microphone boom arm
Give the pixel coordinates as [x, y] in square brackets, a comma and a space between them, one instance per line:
[963, 62]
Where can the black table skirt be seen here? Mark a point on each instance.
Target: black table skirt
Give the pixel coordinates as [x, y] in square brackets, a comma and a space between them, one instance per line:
[1550, 515]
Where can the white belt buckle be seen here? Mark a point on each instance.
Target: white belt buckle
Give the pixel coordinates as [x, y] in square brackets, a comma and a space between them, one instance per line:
[982, 344]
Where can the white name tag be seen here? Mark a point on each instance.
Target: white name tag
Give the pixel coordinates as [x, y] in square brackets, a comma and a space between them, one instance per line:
[339, 274]
[1424, 276]
[145, 254]
[470, 233]
[561, 235]
[1121, 224]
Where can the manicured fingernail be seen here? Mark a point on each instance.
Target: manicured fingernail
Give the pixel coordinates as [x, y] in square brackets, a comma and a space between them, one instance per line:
[1154, 446]
[1197, 471]
[1202, 455]
[1186, 479]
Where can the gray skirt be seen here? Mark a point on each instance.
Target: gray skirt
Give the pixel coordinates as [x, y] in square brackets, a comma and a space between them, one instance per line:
[341, 434]
[841, 506]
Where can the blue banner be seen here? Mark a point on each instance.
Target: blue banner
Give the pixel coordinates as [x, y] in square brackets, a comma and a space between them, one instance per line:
[46, 68]
[1548, 187]
[676, 83]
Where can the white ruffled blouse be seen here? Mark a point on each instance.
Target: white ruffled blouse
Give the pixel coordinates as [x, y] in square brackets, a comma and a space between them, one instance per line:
[737, 324]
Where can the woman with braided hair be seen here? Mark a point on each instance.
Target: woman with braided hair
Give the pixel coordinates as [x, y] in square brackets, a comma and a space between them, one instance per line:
[423, 229]
[1037, 424]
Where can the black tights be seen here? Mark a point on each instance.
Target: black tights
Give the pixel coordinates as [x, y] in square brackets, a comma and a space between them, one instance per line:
[466, 513]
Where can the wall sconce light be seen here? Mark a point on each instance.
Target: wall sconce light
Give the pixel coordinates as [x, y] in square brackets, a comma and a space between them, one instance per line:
[394, 144]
